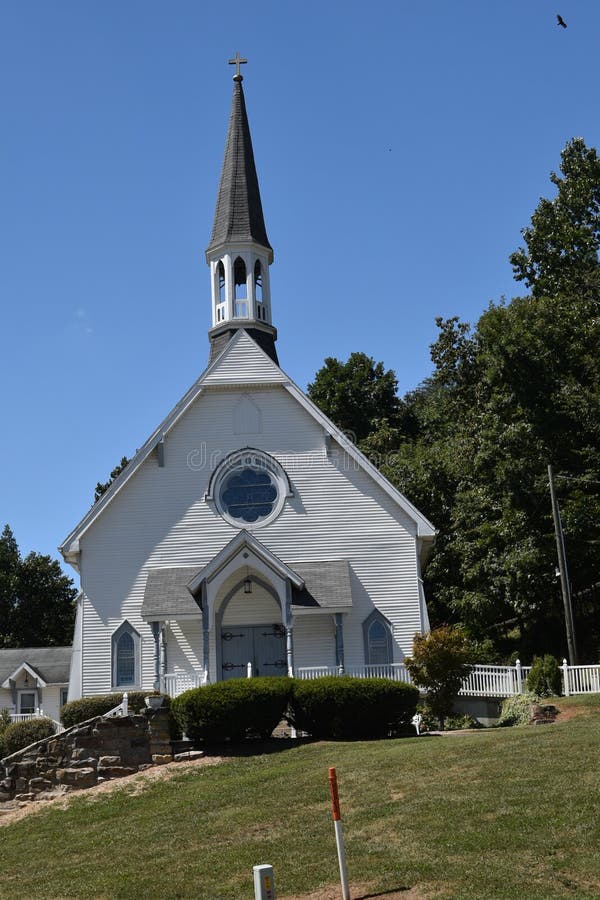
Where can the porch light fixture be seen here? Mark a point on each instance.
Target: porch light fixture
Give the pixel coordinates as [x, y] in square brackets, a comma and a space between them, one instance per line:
[247, 583]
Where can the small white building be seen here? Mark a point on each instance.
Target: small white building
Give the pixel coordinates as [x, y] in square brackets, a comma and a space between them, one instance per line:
[34, 681]
[247, 530]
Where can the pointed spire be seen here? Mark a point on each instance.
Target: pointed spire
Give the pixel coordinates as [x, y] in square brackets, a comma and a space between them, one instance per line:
[239, 215]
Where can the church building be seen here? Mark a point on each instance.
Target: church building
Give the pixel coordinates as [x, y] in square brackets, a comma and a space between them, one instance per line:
[248, 535]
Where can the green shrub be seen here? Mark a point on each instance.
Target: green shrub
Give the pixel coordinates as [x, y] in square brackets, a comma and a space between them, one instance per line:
[77, 711]
[234, 709]
[22, 734]
[338, 707]
[4, 723]
[544, 678]
[456, 722]
[517, 710]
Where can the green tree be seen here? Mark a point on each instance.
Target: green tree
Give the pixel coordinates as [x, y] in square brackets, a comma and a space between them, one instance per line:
[356, 394]
[102, 487]
[37, 599]
[440, 662]
[563, 240]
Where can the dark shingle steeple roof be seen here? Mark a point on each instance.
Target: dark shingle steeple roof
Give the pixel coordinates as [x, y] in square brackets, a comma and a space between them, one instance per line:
[239, 215]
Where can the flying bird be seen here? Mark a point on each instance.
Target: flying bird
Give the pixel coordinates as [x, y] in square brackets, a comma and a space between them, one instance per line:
[560, 21]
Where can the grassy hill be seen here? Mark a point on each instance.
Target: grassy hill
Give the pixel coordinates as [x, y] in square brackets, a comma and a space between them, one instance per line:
[504, 813]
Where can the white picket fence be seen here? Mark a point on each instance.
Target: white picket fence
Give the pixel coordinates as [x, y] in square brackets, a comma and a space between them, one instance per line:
[482, 681]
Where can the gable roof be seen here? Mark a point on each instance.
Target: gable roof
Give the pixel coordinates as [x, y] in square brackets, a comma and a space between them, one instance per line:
[239, 214]
[244, 539]
[326, 585]
[235, 367]
[51, 664]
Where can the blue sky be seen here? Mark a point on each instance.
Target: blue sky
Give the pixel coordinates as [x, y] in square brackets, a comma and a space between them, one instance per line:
[400, 148]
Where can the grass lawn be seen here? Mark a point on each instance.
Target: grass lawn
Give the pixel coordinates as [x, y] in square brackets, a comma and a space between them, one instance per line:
[506, 813]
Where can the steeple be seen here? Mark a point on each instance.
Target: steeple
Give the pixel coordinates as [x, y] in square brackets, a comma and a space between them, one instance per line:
[239, 253]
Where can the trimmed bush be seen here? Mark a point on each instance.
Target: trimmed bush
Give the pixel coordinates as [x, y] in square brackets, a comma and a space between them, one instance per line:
[338, 707]
[232, 710]
[22, 734]
[544, 678]
[88, 707]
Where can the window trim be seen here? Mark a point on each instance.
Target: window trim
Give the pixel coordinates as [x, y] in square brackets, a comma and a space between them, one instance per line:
[377, 616]
[126, 628]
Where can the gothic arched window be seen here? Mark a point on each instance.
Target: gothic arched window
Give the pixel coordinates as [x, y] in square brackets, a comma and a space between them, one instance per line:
[378, 640]
[126, 657]
[240, 289]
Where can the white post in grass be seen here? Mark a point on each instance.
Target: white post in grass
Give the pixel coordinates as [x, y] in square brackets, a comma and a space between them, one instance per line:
[264, 883]
[125, 705]
[565, 670]
[249, 670]
[339, 836]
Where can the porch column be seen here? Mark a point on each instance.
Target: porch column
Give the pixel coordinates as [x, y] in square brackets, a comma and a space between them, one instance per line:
[155, 626]
[163, 651]
[289, 649]
[339, 643]
[289, 629]
[205, 634]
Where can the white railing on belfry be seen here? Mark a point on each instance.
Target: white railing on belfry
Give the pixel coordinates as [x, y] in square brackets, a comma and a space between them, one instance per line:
[482, 681]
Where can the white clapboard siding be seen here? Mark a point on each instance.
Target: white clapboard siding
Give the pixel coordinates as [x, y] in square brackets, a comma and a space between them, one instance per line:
[244, 362]
[161, 518]
[257, 608]
[184, 645]
[314, 641]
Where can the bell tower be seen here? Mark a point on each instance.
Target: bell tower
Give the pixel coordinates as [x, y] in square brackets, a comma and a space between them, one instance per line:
[239, 253]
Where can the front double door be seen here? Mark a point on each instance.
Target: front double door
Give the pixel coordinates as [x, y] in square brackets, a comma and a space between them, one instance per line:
[261, 645]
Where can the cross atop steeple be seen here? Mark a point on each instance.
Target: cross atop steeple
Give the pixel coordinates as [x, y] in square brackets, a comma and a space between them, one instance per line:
[237, 61]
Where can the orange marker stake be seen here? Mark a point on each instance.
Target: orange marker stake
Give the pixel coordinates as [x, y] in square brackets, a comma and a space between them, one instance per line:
[339, 837]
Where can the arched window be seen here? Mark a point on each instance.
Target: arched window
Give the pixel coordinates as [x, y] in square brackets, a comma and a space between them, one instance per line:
[221, 280]
[258, 290]
[240, 289]
[126, 657]
[258, 285]
[378, 640]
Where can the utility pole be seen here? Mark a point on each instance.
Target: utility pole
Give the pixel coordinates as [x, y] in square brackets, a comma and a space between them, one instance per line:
[564, 575]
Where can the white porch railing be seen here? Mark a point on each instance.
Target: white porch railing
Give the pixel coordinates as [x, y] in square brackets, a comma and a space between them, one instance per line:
[26, 717]
[482, 681]
[392, 671]
[176, 683]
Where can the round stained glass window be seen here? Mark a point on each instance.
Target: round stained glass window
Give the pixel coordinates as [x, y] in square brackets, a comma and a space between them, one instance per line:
[250, 489]
[248, 494]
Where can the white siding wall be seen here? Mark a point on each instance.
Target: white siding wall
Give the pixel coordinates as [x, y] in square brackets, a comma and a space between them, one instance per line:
[314, 641]
[160, 518]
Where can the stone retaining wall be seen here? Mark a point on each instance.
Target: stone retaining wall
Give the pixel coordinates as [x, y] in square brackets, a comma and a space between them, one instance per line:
[85, 755]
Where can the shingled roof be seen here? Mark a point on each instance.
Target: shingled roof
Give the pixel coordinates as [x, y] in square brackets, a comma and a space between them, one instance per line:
[327, 586]
[239, 215]
[52, 663]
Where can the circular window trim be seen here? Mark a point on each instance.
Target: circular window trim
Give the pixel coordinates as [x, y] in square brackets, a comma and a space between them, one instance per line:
[249, 457]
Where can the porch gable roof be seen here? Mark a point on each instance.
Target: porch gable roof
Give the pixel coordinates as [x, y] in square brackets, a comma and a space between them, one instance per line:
[325, 584]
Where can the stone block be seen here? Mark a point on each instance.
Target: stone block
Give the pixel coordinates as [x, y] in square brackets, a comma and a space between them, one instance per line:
[109, 761]
[84, 763]
[26, 769]
[159, 759]
[188, 754]
[5, 796]
[26, 797]
[79, 778]
[21, 785]
[7, 784]
[39, 784]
